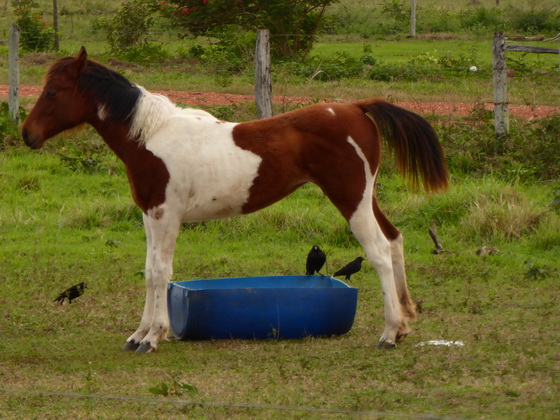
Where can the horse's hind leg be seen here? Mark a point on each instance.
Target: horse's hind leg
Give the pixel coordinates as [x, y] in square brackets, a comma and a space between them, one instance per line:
[397, 258]
[379, 253]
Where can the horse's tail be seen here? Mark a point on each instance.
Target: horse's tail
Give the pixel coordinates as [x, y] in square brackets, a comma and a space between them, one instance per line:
[414, 142]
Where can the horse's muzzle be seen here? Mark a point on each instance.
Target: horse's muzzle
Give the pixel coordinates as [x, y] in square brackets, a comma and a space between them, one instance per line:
[32, 141]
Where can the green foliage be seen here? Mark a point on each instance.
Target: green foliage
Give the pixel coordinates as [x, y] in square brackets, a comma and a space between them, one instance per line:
[480, 19]
[129, 26]
[391, 18]
[9, 129]
[293, 25]
[36, 35]
[176, 388]
[346, 66]
[530, 152]
[535, 21]
[535, 272]
[342, 66]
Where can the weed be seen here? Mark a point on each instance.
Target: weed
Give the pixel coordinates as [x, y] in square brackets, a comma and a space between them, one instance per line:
[534, 271]
[176, 388]
[9, 129]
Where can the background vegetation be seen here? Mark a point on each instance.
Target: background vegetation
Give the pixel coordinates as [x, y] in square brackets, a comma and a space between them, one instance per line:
[66, 216]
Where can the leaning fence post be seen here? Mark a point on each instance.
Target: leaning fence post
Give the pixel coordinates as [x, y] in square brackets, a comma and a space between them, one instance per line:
[263, 84]
[13, 68]
[501, 114]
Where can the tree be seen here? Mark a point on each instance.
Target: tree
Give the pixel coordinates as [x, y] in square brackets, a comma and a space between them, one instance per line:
[293, 25]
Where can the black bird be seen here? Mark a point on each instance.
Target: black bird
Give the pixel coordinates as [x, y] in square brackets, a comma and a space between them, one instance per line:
[71, 293]
[350, 268]
[315, 260]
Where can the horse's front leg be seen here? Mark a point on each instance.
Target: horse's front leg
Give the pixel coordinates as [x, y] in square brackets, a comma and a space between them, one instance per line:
[161, 235]
[133, 342]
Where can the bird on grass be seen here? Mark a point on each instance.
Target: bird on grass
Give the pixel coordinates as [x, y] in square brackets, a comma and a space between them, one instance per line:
[350, 268]
[71, 293]
[315, 261]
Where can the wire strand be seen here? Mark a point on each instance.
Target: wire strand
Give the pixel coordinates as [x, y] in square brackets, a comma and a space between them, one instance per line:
[220, 404]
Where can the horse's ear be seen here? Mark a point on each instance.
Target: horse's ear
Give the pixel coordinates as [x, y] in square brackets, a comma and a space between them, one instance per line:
[81, 59]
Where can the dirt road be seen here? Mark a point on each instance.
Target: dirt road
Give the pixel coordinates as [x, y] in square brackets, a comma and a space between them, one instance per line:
[208, 98]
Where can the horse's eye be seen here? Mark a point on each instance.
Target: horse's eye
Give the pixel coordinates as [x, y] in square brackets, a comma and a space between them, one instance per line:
[51, 94]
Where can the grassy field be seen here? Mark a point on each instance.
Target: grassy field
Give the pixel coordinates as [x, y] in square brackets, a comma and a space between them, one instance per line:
[66, 216]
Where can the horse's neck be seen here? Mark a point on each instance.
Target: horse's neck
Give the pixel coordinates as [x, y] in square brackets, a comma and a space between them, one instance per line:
[116, 135]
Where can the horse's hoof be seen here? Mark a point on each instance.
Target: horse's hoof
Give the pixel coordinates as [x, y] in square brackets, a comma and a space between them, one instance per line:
[400, 337]
[385, 344]
[145, 348]
[130, 345]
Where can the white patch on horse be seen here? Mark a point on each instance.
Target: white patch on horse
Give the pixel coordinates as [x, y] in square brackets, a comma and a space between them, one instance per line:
[331, 111]
[102, 112]
[152, 112]
[210, 176]
[377, 248]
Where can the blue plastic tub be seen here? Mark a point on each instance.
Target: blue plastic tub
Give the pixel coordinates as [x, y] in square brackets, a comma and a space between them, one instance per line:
[261, 307]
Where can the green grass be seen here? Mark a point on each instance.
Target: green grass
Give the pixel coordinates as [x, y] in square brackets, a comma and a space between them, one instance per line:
[61, 224]
[66, 216]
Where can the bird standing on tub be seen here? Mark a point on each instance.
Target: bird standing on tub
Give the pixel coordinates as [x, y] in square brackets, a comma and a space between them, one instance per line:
[315, 261]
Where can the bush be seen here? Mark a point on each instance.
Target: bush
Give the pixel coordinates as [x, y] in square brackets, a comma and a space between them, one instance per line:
[481, 18]
[530, 152]
[534, 21]
[293, 25]
[36, 35]
[128, 27]
[327, 69]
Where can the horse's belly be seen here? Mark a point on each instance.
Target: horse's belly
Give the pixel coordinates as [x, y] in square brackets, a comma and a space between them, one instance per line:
[201, 200]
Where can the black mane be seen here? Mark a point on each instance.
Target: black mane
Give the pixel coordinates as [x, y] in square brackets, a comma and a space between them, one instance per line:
[112, 89]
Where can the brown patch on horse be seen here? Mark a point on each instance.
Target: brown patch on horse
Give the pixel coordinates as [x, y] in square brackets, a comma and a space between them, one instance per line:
[408, 307]
[311, 145]
[388, 229]
[147, 174]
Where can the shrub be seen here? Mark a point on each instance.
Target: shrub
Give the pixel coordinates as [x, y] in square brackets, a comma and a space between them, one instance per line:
[293, 25]
[36, 35]
[481, 18]
[534, 21]
[326, 69]
[128, 27]
[394, 72]
[530, 152]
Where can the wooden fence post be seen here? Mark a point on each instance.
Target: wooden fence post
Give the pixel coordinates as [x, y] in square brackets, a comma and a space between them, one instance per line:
[55, 26]
[263, 83]
[413, 18]
[13, 68]
[501, 114]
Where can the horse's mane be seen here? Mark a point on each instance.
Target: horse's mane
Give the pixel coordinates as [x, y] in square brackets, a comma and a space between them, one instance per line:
[149, 114]
[112, 89]
[124, 101]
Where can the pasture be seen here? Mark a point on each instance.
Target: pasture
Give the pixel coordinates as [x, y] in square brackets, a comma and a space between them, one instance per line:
[66, 216]
[60, 226]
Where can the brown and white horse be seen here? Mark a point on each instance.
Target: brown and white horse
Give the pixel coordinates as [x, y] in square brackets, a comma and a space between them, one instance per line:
[184, 165]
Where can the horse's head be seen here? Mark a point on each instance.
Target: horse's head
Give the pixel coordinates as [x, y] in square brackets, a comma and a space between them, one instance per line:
[61, 105]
